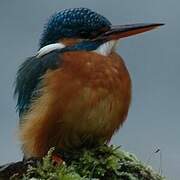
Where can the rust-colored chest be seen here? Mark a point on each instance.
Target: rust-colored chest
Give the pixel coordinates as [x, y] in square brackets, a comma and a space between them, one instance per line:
[82, 104]
[95, 93]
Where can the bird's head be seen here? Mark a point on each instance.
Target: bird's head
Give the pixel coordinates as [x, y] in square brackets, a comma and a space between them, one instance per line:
[85, 29]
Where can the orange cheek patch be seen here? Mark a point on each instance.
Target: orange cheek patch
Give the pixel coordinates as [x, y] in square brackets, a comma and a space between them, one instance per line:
[69, 41]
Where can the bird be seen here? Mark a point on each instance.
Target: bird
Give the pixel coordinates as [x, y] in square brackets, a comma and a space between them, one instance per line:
[75, 92]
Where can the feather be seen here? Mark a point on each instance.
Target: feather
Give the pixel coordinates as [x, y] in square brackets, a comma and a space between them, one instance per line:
[49, 48]
[28, 80]
[106, 48]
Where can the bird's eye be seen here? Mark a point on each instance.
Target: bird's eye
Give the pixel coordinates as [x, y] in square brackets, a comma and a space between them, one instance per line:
[84, 34]
[88, 34]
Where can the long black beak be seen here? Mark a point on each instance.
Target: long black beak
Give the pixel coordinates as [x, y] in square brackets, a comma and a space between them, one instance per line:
[122, 31]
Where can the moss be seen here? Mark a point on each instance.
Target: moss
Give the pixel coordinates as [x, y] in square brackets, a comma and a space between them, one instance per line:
[104, 162]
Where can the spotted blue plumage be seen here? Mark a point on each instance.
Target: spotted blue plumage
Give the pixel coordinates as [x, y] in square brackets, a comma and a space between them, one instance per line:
[77, 22]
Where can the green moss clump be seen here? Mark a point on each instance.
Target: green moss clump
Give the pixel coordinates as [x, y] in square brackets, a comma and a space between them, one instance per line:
[102, 163]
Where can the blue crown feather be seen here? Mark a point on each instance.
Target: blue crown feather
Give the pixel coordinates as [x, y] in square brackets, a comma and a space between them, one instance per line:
[77, 22]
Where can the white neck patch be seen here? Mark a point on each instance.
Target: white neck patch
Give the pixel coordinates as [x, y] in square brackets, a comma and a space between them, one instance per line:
[47, 49]
[106, 48]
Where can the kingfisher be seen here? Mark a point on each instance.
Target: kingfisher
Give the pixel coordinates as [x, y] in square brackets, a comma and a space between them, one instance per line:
[75, 92]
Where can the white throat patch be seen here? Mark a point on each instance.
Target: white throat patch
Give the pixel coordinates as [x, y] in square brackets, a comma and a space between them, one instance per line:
[47, 49]
[106, 48]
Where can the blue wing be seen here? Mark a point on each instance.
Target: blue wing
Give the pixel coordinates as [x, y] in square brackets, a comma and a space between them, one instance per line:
[29, 76]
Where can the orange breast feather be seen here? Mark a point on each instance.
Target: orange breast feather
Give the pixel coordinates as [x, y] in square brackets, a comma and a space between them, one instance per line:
[82, 104]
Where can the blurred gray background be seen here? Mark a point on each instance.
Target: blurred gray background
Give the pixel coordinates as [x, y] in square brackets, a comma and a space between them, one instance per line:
[152, 59]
